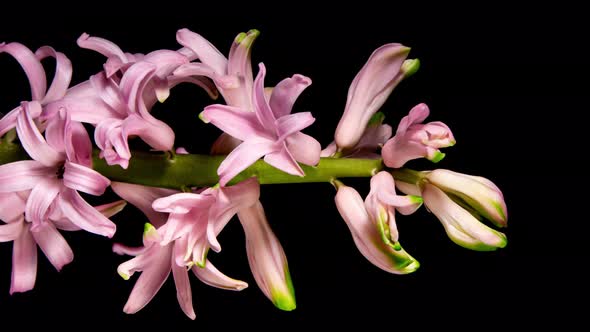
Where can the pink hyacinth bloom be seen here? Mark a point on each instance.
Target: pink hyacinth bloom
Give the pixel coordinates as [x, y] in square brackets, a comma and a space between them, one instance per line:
[26, 239]
[461, 202]
[369, 90]
[382, 202]
[267, 131]
[462, 227]
[194, 221]
[61, 166]
[414, 139]
[31, 64]
[267, 258]
[368, 228]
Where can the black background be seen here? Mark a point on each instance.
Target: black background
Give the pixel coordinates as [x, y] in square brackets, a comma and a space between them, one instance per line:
[510, 82]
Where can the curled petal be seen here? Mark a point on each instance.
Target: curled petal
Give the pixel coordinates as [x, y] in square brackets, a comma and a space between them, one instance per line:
[84, 215]
[417, 114]
[42, 196]
[285, 94]
[292, 123]
[11, 231]
[102, 46]
[53, 245]
[204, 50]
[11, 207]
[31, 65]
[259, 101]
[211, 276]
[284, 161]
[32, 140]
[22, 175]
[155, 133]
[181, 203]
[63, 73]
[24, 263]
[84, 179]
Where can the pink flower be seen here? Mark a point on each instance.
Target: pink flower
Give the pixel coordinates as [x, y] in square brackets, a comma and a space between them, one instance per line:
[461, 202]
[26, 239]
[370, 89]
[415, 140]
[61, 167]
[372, 224]
[31, 64]
[270, 131]
[182, 242]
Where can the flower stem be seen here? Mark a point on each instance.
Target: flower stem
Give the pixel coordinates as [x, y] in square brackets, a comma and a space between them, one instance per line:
[407, 175]
[182, 171]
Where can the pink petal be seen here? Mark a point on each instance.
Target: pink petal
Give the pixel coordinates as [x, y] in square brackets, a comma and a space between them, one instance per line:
[166, 61]
[24, 263]
[31, 138]
[142, 197]
[8, 121]
[183, 290]
[284, 161]
[84, 215]
[11, 231]
[12, 207]
[22, 175]
[55, 133]
[151, 280]
[63, 73]
[329, 151]
[182, 202]
[286, 93]
[211, 276]
[368, 91]
[304, 148]
[200, 69]
[417, 114]
[109, 92]
[234, 121]
[397, 151]
[77, 143]
[204, 50]
[110, 209]
[42, 196]
[102, 46]
[241, 157]
[133, 84]
[88, 109]
[239, 63]
[374, 137]
[155, 133]
[292, 123]
[53, 245]
[259, 101]
[32, 67]
[266, 258]
[121, 249]
[84, 179]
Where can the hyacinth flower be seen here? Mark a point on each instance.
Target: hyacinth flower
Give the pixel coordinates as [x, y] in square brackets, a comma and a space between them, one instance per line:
[265, 131]
[26, 239]
[414, 140]
[194, 221]
[61, 167]
[369, 90]
[461, 202]
[267, 259]
[31, 64]
[375, 135]
[372, 223]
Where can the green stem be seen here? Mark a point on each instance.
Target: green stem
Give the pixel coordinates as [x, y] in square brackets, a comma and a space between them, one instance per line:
[407, 175]
[181, 171]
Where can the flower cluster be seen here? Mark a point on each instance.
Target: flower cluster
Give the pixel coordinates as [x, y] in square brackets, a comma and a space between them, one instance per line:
[59, 126]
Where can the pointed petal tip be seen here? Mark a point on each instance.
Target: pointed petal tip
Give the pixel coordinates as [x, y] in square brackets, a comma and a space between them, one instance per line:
[203, 118]
[438, 156]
